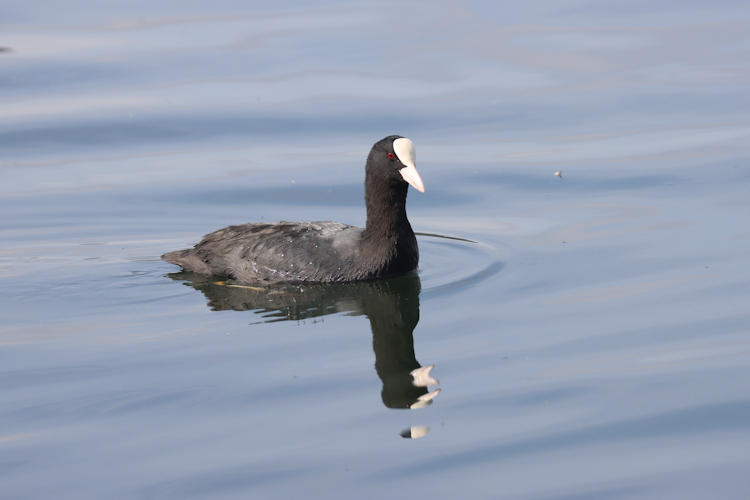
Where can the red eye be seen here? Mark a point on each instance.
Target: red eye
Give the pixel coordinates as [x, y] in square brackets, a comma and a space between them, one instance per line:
[391, 156]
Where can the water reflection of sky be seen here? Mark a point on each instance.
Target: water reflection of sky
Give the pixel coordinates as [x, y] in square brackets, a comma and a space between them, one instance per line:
[444, 72]
[594, 338]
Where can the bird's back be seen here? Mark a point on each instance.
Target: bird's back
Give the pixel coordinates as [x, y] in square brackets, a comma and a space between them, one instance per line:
[277, 252]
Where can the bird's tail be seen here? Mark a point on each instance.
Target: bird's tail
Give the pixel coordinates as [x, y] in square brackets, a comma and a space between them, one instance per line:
[176, 257]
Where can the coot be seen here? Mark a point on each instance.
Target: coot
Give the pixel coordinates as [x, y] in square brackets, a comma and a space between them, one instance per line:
[267, 253]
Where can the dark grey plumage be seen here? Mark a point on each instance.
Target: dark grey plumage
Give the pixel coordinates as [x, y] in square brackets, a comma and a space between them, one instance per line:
[320, 251]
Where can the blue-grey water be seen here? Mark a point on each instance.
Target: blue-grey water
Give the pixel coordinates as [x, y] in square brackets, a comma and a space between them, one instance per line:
[591, 341]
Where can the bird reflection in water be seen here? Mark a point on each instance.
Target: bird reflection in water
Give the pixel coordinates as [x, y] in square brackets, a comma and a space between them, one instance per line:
[391, 305]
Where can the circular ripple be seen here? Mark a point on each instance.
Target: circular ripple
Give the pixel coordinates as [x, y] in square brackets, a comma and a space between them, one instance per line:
[449, 264]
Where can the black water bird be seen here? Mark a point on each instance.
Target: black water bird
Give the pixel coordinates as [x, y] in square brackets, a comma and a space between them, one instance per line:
[323, 252]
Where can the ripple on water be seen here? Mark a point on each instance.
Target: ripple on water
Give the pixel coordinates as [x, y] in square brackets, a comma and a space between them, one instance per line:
[450, 264]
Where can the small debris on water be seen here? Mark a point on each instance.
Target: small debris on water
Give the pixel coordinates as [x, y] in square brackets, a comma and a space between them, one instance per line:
[559, 174]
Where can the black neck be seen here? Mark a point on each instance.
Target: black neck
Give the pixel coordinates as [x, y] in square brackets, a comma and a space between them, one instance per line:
[386, 209]
[388, 237]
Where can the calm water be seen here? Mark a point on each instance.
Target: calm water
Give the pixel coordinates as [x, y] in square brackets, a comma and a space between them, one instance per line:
[591, 341]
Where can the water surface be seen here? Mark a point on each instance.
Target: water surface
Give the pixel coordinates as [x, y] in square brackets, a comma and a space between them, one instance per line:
[590, 340]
